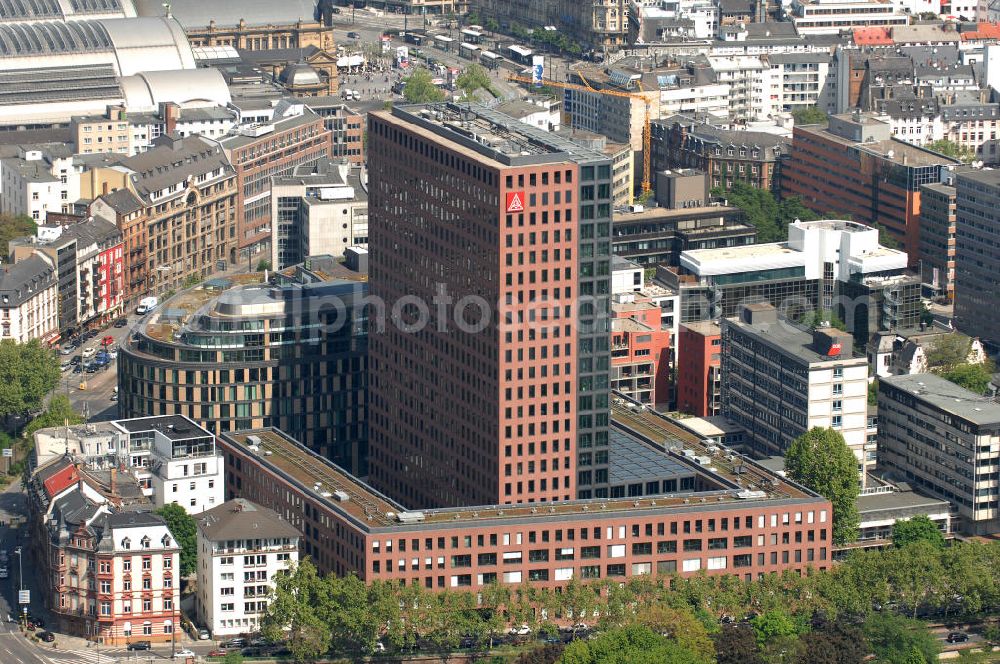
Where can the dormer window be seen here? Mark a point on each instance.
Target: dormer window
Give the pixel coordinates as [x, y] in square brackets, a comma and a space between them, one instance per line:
[145, 542]
[126, 543]
[165, 541]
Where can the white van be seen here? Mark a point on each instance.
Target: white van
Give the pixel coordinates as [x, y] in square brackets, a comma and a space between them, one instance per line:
[146, 305]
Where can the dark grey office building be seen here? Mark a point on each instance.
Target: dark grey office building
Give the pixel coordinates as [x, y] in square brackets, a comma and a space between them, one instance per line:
[977, 255]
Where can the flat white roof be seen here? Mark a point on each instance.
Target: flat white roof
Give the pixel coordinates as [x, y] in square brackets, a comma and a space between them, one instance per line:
[749, 258]
[520, 50]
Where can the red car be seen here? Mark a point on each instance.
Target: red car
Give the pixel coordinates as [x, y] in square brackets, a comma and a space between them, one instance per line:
[221, 652]
[108, 340]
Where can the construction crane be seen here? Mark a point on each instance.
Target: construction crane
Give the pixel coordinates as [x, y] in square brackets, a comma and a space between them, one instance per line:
[646, 137]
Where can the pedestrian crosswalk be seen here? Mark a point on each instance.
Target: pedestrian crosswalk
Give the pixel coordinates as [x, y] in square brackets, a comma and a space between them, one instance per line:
[87, 657]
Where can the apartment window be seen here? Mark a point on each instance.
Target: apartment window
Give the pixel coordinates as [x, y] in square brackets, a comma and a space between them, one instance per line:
[147, 628]
[837, 421]
[838, 405]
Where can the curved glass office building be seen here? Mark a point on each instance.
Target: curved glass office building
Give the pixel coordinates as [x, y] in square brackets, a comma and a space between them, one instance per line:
[242, 353]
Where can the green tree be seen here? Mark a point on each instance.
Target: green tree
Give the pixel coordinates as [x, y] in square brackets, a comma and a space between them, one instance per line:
[973, 377]
[873, 393]
[834, 644]
[419, 88]
[948, 351]
[13, 227]
[28, 372]
[821, 460]
[809, 115]
[234, 657]
[633, 644]
[814, 319]
[184, 529]
[297, 598]
[680, 625]
[58, 413]
[736, 644]
[952, 149]
[898, 640]
[764, 212]
[263, 264]
[474, 78]
[547, 654]
[772, 625]
[916, 529]
[885, 238]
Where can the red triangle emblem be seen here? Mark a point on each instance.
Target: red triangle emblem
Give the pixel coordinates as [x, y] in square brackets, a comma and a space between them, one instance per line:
[515, 201]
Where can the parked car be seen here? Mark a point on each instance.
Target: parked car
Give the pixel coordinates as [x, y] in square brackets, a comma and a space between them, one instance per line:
[183, 653]
[203, 634]
[93, 367]
[218, 652]
[89, 334]
[68, 349]
[102, 358]
[107, 340]
[37, 622]
[121, 322]
[77, 368]
[140, 645]
[354, 35]
[233, 643]
[522, 630]
[65, 366]
[48, 637]
[89, 352]
[957, 637]
[76, 359]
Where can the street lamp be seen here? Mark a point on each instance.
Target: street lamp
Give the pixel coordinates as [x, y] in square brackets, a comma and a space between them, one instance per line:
[20, 583]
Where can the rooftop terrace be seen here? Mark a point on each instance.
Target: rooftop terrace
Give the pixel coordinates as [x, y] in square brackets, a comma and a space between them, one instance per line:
[742, 480]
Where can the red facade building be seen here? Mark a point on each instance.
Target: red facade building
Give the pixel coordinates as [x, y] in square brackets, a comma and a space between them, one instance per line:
[854, 169]
[518, 225]
[111, 277]
[349, 527]
[640, 350]
[699, 347]
[262, 151]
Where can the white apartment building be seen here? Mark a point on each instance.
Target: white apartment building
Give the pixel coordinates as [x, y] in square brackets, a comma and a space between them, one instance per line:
[753, 87]
[779, 379]
[321, 208]
[944, 441]
[29, 301]
[829, 17]
[242, 546]
[38, 181]
[175, 461]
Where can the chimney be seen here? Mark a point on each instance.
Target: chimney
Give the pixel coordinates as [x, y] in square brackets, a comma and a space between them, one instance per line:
[171, 113]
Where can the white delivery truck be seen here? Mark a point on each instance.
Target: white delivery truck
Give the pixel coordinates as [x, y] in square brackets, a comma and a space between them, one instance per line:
[146, 305]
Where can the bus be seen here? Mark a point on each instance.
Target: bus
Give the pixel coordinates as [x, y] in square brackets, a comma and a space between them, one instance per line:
[443, 43]
[468, 51]
[520, 54]
[471, 36]
[490, 60]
